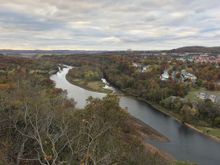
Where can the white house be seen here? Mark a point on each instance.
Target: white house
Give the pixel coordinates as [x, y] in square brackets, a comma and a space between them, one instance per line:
[188, 76]
[145, 68]
[202, 95]
[136, 65]
[213, 98]
[165, 76]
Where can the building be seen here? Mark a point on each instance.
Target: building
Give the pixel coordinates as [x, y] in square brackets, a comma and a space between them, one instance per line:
[136, 65]
[184, 76]
[145, 68]
[202, 95]
[213, 98]
[207, 59]
[165, 76]
[188, 76]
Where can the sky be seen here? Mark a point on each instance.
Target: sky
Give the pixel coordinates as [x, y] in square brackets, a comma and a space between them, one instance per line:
[108, 24]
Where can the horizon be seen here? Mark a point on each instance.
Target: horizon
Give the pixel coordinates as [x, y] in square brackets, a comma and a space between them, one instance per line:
[108, 25]
[133, 50]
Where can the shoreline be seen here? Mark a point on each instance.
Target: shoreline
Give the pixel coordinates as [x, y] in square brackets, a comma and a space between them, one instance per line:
[200, 131]
[159, 108]
[178, 120]
[146, 133]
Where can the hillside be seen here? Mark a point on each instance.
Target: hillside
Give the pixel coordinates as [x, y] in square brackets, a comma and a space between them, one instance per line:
[196, 49]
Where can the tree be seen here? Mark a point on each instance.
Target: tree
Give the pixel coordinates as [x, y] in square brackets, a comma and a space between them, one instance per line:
[186, 113]
[209, 111]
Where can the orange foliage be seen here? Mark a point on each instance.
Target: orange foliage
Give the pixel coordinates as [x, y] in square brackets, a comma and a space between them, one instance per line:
[7, 86]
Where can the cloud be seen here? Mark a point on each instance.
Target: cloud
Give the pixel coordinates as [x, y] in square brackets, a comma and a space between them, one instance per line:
[109, 24]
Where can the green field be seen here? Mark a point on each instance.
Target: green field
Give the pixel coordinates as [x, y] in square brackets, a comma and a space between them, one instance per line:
[210, 131]
[96, 86]
[183, 163]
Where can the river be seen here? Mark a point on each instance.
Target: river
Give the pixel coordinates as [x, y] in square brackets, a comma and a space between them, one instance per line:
[185, 143]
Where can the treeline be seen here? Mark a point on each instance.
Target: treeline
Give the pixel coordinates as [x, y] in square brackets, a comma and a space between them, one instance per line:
[86, 72]
[204, 113]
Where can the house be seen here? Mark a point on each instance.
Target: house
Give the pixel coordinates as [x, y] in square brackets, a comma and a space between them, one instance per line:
[185, 58]
[217, 100]
[207, 59]
[213, 98]
[188, 76]
[165, 76]
[136, 65]
[145, 68]
[202, 95]
[181, 59]
[184, 76]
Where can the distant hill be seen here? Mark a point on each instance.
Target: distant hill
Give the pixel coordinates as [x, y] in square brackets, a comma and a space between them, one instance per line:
[196, 49]
[34, 52]
[187, 49]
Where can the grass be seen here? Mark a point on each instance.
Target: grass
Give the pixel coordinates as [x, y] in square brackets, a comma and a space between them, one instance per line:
[210, 131]
[193, 95]
[96, 86]
[183, 163]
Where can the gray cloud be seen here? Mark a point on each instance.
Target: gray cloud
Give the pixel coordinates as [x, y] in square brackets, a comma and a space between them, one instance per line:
[108, 24]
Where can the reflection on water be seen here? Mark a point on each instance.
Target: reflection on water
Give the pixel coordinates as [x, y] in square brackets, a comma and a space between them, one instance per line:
[185, 143]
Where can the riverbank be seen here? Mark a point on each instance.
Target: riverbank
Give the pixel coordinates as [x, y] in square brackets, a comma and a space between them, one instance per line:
[144, 133]
[177, 117]
[204, 131]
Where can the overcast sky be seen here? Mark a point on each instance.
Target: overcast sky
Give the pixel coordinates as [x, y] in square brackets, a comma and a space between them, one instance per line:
[108, 24]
